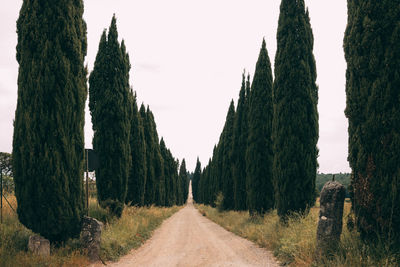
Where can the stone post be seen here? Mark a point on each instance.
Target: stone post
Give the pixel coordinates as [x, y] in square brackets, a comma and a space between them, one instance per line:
[330, 217]
[39, 245]
[91, 236]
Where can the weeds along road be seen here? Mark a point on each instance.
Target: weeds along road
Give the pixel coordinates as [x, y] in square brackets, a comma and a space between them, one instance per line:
[189, 239]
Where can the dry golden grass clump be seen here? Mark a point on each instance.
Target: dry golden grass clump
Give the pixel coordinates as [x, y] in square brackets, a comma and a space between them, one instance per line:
[118, 238]
[294, 244]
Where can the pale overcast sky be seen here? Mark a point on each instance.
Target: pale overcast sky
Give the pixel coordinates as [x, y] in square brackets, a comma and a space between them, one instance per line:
[187, 59]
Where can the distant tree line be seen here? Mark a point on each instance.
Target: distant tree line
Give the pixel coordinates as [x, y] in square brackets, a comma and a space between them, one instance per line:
[343, 178]
[266, 156]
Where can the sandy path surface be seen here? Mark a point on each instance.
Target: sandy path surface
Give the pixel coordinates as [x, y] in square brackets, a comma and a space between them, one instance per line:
[189, 239]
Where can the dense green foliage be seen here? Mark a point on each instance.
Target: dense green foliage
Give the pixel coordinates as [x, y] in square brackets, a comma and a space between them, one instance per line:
[48, 142]
[110, 105]
[159, 178]
[295, 123]
[227, 175]
[239, 146]
[259, 156]
[137, 175]
[372, 52]
[170, 174]
[196, 180]
[153, 158]
[183, 184]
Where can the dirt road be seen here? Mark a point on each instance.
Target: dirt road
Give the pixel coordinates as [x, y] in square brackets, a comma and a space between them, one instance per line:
[189, 239]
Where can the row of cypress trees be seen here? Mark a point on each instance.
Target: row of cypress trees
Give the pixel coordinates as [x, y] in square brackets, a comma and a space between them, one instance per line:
[48, 141]
[135, 167]
[266, 156]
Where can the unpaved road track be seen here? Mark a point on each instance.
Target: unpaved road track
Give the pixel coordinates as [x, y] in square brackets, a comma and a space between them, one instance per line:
[189, 239]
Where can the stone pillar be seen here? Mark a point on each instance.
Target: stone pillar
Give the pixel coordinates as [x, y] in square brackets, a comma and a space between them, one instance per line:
[91, 236]
[330, 217]
[39, 245]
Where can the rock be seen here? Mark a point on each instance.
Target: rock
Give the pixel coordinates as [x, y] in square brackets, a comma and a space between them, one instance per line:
[330, 217]
[39, 245]
[91, 236]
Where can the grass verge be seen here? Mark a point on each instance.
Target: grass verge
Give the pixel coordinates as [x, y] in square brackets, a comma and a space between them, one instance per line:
[294, 245]
[118, 237]
[134, 227]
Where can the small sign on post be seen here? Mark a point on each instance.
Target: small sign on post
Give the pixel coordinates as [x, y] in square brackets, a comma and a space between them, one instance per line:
[92, 160]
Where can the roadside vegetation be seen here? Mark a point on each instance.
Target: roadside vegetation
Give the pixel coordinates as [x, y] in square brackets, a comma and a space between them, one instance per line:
[294, 245]
[119, 236]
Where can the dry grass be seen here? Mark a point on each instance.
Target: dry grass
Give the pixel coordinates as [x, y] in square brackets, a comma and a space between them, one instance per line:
[14, 241]
[132, 230]
[119, 236]
[295, 244]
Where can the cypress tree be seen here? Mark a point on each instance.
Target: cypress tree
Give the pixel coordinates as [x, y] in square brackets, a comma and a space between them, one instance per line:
[213, 177]
[150, 191]
[196, 181]
[137, 175]
[201, 186]
[110, 106]
[227, 176]
[48, 141]
[295, 123]
[176, 179]
[169, 174]
[239, 150]
[183, 183]
[372, 52]
[207, 191]
[205, 184]
[157, 162]
[259, 156]
[218, 171]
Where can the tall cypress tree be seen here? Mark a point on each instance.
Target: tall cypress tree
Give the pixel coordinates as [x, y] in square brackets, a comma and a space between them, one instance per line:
[183, 183]
[150, 193]
[259, 156]
[137, 175]
[196, 181]
[110, 106]
[295, 123]
[48, 142]
[213, 189]
[227, 176]
[156, 162]
[239, 150]
[169, 174]
[207, 194]
[372, 52]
